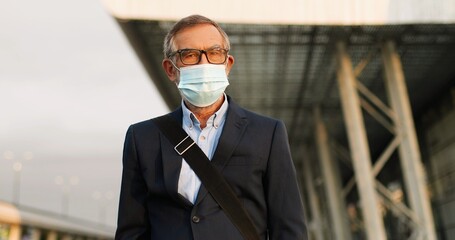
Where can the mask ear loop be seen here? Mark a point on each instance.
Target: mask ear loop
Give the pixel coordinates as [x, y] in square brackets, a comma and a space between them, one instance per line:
[173, 64]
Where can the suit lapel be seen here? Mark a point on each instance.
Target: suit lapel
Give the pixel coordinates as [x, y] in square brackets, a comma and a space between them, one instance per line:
[233, 130]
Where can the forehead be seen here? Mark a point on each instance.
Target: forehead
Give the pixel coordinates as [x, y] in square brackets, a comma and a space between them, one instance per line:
[201, 36]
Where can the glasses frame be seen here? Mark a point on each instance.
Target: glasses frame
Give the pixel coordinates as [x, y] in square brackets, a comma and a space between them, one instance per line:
[179, 52]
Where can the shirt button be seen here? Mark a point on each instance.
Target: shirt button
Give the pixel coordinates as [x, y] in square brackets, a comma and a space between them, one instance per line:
[202, 138]
[196, 219]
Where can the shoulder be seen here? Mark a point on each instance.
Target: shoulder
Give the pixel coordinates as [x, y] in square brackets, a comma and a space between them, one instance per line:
[142, 131]
[143, 124]
[254, 119]
[142, 127]
[149, 124]
[248, 114]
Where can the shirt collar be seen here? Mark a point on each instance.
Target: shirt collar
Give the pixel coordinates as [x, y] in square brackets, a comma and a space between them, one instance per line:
[190, 120]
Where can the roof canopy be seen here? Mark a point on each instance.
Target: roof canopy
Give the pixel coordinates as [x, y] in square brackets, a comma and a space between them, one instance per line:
[285, 71]
[320, 12]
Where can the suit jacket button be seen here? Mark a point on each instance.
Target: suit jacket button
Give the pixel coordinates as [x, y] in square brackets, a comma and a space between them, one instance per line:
[196, 219]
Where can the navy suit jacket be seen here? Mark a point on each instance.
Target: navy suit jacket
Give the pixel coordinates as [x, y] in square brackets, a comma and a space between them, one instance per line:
[252, 154]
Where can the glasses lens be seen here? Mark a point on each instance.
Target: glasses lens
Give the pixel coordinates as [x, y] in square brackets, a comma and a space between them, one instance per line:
[190, 56]
[193, 56]
[217, 55]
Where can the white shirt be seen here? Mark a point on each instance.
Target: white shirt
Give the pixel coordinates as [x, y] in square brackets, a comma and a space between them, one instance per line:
[207, 139]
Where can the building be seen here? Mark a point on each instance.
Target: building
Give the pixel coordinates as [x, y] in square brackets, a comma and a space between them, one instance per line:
[366, 89]
[27, 223]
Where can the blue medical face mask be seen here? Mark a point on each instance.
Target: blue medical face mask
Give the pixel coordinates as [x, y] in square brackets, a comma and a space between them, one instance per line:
[202, 85]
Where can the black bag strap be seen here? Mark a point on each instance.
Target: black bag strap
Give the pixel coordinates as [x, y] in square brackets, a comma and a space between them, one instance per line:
[212, 179]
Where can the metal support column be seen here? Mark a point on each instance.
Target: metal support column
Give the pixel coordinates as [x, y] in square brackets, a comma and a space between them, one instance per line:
[331, 176]
[410, 158]
[374, 225]
[15, 232]
[316, 220]
[52, 235]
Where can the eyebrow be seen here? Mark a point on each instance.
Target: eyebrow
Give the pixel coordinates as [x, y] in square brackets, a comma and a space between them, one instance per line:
[215, 46]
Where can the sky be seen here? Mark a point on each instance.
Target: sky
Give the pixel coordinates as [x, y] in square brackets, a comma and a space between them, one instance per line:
[70, 85]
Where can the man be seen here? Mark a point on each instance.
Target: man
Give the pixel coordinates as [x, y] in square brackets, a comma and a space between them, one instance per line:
[162, 198]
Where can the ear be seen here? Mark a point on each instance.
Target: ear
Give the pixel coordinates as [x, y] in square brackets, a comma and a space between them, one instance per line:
[230, 63]
[170, 70]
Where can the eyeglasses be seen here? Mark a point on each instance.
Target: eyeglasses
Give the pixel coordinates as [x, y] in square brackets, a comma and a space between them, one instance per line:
[193, 56]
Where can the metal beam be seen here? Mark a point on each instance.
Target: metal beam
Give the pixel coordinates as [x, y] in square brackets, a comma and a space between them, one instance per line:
[335, 200]
[316, 217]
[410, 158]
[379, 163]
[298, 108]
[358, 142]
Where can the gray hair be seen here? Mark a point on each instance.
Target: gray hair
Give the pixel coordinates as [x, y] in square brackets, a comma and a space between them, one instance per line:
[169, 45]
